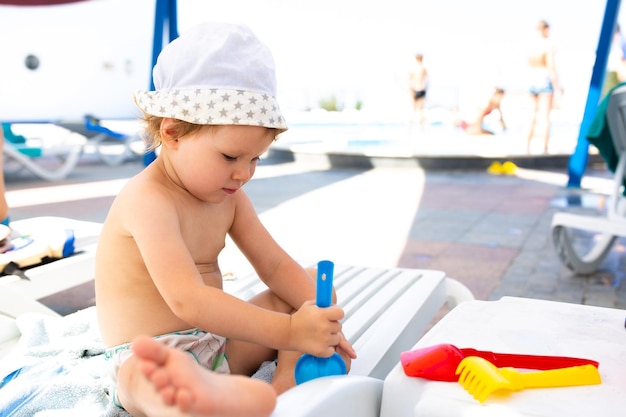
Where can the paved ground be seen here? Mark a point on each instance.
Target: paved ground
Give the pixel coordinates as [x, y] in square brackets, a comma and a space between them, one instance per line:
[491, 232]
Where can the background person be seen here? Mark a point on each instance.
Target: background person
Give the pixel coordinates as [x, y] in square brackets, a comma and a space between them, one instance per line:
[544, 83]
[476, 126]
[418, 78]
[5, 232]
[4, 206]
[616, 63]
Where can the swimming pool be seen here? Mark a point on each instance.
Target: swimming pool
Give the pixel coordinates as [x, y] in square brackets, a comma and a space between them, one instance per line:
[402, 144]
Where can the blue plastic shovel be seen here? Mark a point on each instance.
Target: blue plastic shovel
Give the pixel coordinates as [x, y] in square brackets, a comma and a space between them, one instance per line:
[308, 366]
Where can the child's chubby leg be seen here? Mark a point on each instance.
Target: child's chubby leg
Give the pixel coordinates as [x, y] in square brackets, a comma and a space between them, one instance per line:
[160, 381]
[245, 358]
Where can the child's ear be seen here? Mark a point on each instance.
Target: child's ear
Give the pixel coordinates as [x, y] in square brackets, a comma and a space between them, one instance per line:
[169, 133]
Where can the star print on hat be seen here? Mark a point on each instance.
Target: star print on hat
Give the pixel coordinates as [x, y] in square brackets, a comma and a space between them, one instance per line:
[215, 74]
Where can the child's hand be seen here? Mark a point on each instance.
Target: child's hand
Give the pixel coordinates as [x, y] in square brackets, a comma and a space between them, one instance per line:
[316, 330]
[346, 351]
[344, 348]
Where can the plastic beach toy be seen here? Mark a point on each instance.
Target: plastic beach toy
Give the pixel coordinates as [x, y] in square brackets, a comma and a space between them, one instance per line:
[308, 366]
[439, 362]
[480, 377]
[34, 248]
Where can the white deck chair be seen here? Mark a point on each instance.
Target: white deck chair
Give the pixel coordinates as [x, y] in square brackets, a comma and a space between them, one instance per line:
[59, 275]
[112, 147]
[19, 295]
[49, 159]
[609, 228]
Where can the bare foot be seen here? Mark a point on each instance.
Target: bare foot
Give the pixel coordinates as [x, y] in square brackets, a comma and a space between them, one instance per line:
[193, 389]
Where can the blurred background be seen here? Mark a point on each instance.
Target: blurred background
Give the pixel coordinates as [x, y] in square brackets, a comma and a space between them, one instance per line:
[356, 53]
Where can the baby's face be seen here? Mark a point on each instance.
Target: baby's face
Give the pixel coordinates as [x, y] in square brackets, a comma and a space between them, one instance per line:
[242, 143]
[217, 161]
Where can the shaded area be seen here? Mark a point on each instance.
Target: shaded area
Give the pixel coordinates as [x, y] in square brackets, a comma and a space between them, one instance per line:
[89, 168]
[429, 162]
[89, 209]
[72, 300]
[267, 193]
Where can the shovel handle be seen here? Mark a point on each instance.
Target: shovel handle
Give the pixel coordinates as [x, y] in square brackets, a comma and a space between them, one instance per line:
[324, 287]
[502, 360]
[564, 377]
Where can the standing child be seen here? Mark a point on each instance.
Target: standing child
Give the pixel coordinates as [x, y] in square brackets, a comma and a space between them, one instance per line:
[214, 113]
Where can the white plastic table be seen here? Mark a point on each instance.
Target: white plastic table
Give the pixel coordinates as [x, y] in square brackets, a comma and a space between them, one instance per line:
[518, 325]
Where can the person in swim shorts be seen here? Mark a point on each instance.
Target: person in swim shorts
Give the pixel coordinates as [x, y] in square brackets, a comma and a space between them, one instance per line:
[176, 341]
[417, 83]
[543, 84]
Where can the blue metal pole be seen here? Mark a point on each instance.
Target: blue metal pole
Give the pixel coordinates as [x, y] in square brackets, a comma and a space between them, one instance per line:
[165, 12]
[160, 16]
[578, 160]
[173, 19]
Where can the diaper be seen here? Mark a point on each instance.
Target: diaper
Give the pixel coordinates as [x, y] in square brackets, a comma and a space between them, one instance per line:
[207, 349]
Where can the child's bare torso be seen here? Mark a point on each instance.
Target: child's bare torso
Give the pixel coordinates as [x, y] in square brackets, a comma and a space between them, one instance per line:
[538, 53]
[128, 301]
[418, 78]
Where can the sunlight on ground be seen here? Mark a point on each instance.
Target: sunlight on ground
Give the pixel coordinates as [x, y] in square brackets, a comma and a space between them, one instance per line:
[363, 220]
[60, 193]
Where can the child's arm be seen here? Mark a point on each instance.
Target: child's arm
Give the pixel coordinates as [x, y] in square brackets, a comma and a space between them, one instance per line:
[282, 274]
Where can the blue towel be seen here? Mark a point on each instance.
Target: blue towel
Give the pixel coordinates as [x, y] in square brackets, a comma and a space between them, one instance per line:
[599, 135]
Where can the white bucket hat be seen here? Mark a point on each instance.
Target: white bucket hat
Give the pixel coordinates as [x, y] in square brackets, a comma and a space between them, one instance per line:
[215, 74]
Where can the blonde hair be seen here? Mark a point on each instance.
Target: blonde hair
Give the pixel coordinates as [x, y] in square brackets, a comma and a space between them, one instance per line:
[152, 130]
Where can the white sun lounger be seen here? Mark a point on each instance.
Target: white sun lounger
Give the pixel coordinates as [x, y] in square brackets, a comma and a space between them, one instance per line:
[607, 229]
[387, 311]
[19, 295]
[111, 146]
[50, 159]
[62, 274]
[54, 157]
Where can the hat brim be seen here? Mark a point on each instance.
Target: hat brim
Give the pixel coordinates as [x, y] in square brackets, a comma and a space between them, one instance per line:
[214, 106]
